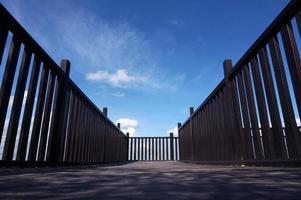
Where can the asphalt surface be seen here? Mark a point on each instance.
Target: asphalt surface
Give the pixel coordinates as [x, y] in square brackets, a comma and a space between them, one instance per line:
[151, 180]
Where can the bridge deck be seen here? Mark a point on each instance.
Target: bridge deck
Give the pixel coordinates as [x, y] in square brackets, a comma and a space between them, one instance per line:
[151, 180]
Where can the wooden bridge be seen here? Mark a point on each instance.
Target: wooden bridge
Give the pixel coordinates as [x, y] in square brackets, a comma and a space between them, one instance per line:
[248, 120]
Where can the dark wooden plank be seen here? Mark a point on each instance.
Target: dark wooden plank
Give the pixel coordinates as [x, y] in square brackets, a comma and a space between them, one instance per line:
[171, 147]
[253, 114]
[26, 121]
[246, 119]
[163, 149]
[156, 149]
[70, 124]
[72, 130]
[130, 148]
[142, 149]
[139, 147]
[3, 38]
[57, 129]
[160, 150]
[17, 105]
[267, 136]
[89, 129]
[8, 79]
[176, 148]
[291, 130]
[294, 63]
[167, 148]
[153, 149]
[280, 149]
[35, 134]
[298, 20]
[46, 118]
[149, 149]
[135, 149]
[82, 134]
[86, 135]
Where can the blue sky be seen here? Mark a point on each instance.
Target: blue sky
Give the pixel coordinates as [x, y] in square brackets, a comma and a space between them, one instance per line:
[147, 61]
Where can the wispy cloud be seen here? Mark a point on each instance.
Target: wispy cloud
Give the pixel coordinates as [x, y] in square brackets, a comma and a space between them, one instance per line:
[176, 23]
[96, 47]
[118, 94]
[128, 125]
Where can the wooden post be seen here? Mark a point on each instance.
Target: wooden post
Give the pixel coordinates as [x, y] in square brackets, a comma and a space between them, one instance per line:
[171, 147]
[191, 111]
[128, 146]
[179, 140]
[57, 132]
[233, 123]
[105, 111]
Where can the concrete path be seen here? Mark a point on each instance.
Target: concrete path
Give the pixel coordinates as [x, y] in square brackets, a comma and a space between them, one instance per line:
[151, 180]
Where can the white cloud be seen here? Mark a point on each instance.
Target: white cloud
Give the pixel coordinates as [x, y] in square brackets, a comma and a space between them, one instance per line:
[120, 78]
[128, 125]
[118, 94]
[174, 131]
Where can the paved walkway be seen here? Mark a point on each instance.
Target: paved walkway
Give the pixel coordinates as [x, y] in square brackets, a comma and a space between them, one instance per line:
[151, 180]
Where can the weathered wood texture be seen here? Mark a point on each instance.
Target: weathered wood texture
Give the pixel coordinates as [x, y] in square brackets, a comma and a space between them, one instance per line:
[251, 114]
[50, 119]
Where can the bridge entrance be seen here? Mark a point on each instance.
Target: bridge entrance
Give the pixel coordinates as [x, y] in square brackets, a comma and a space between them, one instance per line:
[153, 148]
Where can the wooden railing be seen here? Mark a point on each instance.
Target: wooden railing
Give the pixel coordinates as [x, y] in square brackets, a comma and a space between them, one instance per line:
[50, 119]
[250, 115]
[153, 148]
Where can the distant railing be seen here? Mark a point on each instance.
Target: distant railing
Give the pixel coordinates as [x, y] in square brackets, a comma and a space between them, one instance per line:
[153, 148]
[50, 118]
[250, 115]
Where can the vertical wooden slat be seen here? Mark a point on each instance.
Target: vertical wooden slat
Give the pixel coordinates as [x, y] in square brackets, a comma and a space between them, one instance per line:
[153, 149]
[163, 149]
[233, 111]
[291, 130]
[171, 147]
[46, 118]
[17, 105]
[298, 20]
[8, 79]
[139, 147]
[72, 132]
[89, 136]
[273, 105]
[3, 37]
[267, 136]
[134, 148]
[24, 131]
[246, 119]
[37, 119]
[70, 125]
[80, 134]
[156, 148]
[85, 133]
[142, 149]
[294, 63]
[58, 119]
[253, 115]
[176, 148]
[160, 152]
[167, 151]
